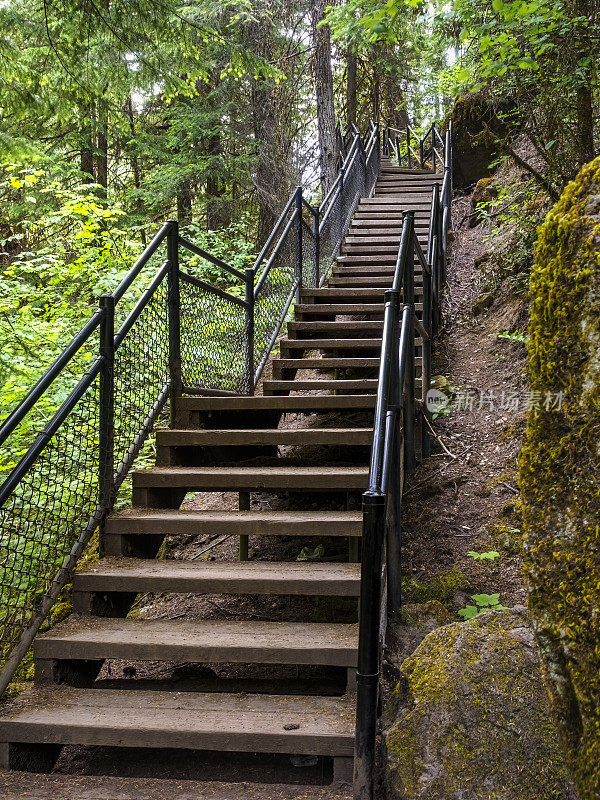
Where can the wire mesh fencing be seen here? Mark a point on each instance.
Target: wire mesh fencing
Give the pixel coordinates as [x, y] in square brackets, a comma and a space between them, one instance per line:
[42, 518]
[213, 338]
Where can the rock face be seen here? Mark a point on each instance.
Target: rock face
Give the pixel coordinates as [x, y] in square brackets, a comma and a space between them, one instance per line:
[469, 719]
[560, 465]
[476, 124]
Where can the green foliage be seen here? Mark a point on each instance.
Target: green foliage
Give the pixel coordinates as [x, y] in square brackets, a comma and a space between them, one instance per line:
[490, 555]
[515, 336]
[483, 603]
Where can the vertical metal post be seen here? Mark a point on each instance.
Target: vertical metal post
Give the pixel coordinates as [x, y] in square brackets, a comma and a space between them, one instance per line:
[448, 176]
[317, 235]
[174, 320]
[408, 155]
[244, 505]
[422, 154]
[398, 156]
[409, 299]
[106, 443]
[298, 242]
[367, 675]
[249, 329]
[433, 149]
[393, 468]
[426, 362]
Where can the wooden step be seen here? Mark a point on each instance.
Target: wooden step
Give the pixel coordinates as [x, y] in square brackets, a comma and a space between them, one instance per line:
[342, 295]
[307, 404]
[345, 309]
[286, 345]
[300, 330]
[205, 641]
[249, 479]
[389, 224]
[269, 436]
[364, 240]
[217, 577]
[141, 521]
[190, 720]
[358, 249]
[413, 193]
[376, 260]
[383, 281]
[326, 364]
[330, 385]
[391, 234]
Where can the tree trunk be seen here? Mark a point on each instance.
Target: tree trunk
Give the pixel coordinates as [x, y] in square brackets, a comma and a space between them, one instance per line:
[184, 202]
[216, 216]
[271, 175]
[351, 70]
[585, 123]
[102, 149]
[87, 144]
[135, 165]
[323, 78]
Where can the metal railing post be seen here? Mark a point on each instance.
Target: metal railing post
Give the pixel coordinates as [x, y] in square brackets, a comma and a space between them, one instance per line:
[367, 675]
[408, 155]
[106, 438]
[409, 299]
[174, 302]
[249, 328]
[299, 242]
[421, 153]
[394, 465]
[317, 235]
[426, 362]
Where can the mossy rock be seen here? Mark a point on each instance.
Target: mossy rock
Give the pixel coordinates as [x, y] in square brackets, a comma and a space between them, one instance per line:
[560, 464]
[476, 124]
[484, 192]
[469, 719]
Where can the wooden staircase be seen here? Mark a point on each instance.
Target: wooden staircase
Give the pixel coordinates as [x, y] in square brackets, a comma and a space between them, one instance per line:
[324, 382]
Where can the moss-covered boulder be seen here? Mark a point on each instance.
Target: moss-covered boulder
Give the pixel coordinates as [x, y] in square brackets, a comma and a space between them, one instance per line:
[477, 123]
[469, 719]
[560, 468]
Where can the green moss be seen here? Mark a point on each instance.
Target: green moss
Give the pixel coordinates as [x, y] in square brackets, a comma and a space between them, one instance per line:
[470, 718]
[440, 586]
[560, 463]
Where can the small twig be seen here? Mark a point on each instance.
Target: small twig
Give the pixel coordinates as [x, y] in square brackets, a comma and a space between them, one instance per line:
[510, 488]
[444, 448]
[214, 543]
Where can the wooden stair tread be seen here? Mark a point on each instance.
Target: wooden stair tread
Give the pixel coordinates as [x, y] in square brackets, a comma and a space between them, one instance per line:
[329, 344]
[252, 523]
[192, 720]
[328, 363]
[318, 385]
[269, 436]
[219, 641]
[308, 403]
[253, 478]
[335, 325]
[219, 577]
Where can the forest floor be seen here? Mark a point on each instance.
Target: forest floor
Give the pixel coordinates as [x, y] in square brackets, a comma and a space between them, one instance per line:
[462, 499]
[465, 497]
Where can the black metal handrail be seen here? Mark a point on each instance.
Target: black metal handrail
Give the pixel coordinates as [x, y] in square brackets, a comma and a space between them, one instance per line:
[394, 450]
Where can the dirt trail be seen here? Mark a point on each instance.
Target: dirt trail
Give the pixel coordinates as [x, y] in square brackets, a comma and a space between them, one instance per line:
[466, 501]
